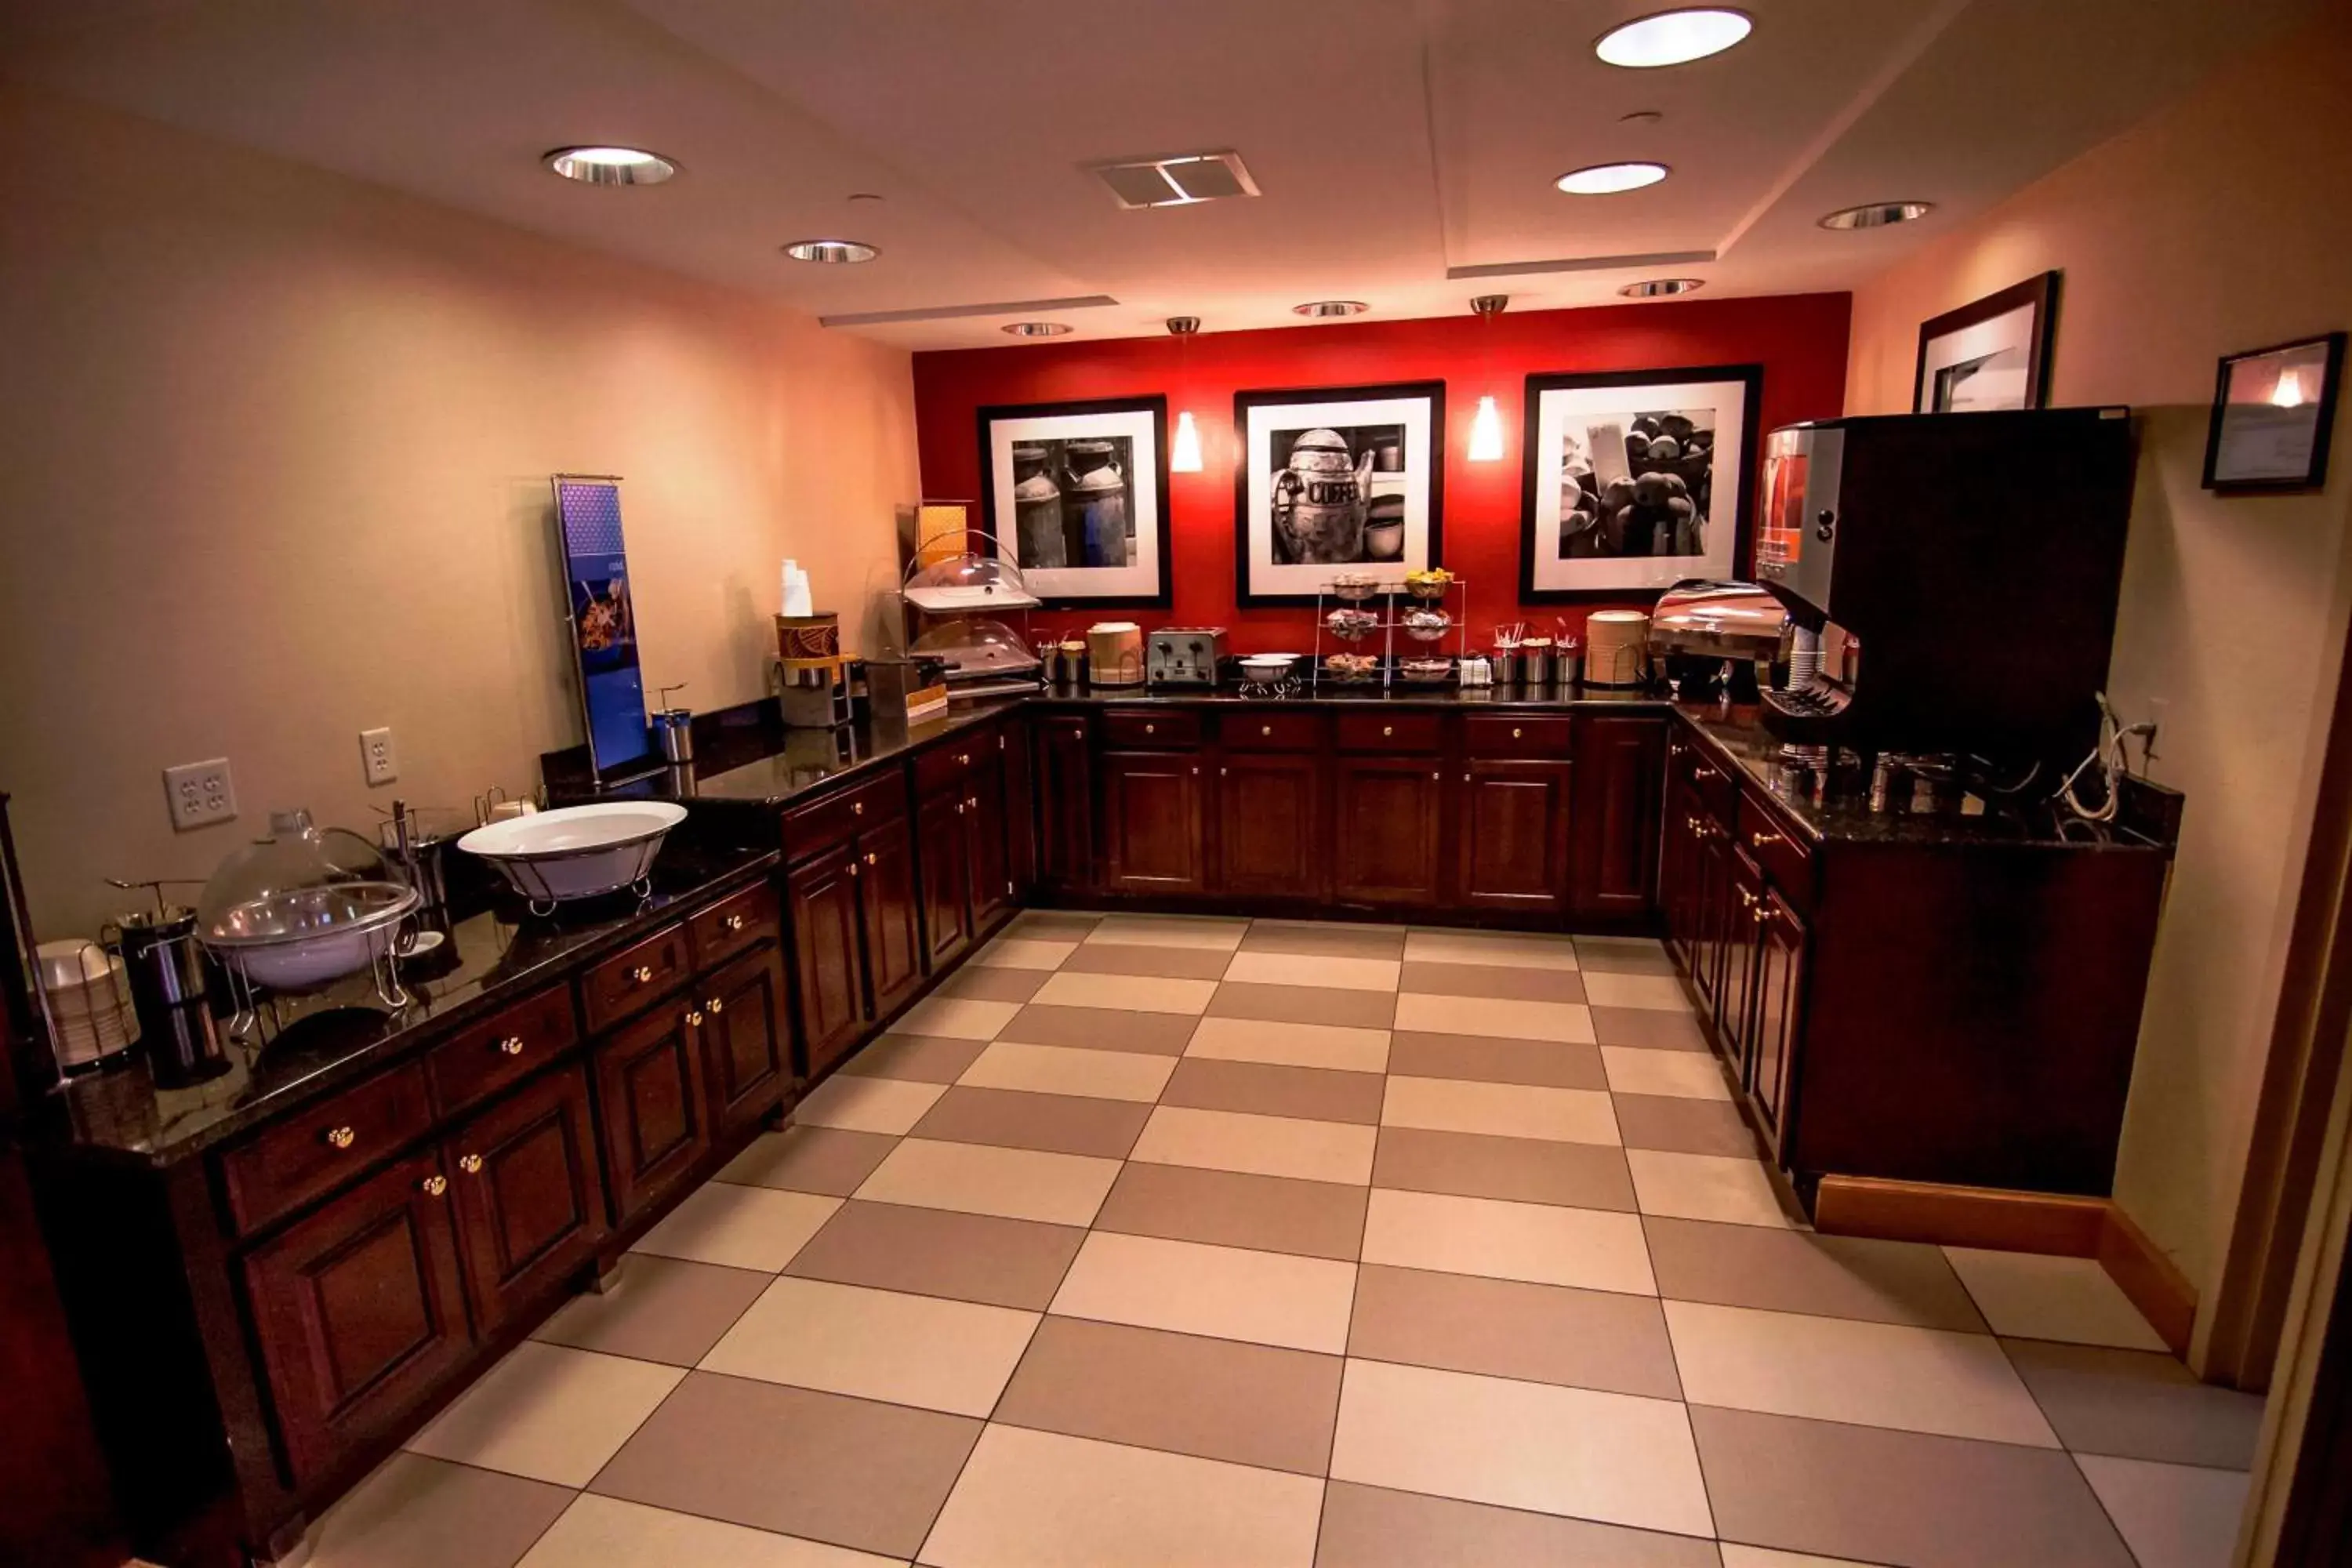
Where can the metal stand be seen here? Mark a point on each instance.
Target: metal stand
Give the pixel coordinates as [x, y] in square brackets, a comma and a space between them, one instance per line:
[1456, 598]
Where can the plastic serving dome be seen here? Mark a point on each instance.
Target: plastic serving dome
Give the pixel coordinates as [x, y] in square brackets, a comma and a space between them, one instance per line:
[971, 581]
[304, 906]
[977, 645]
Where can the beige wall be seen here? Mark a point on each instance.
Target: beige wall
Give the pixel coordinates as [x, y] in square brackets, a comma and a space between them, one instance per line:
[274, 458]
[2222, 223]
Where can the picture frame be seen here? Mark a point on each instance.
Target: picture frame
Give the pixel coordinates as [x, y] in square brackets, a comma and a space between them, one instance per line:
[2256, 443]
[1075, 496]
[1990, 354]
[1336, 479]
[1600, 518]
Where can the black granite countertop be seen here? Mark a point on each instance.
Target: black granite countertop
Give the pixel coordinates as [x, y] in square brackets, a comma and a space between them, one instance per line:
[775, 767]
[1332, 695]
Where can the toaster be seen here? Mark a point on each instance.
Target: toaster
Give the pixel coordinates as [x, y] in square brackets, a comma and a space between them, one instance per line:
[1185, 656]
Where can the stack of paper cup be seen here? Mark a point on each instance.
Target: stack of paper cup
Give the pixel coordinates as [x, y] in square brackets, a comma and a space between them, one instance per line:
[1616, 648]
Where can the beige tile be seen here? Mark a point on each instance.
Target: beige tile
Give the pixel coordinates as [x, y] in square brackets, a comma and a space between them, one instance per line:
[1132, 993]
[1133, 958]
[2135, 1404]
[972, 1178]
[1101, 1029]
[925, 1058]
[1022, 1119]
[1000, 1262]
[1545, 1063]
[1304, 969]
[1225, 1292]
[411, 1512]
[858, 1104]
[1624, 954]
[1493, 948]
[2171, 1516]
[1261, 1145]
[1181, 1393]
[1499, 1016]
[1052, 925]
[1262, 1088]
[1025, 953]
[1705, 1186]
[547, 1412]
[809, 1160]
[1653, 1028]
[1229, 1208]
[1499, 1240]
[738, 1227]
[1372, 1527]
[1737, 1556]
[1523, 1170]
[1499, 1110]
[1870, 1374]
[658, 1309]
[1304, 1005]
[607, 1532]
[1039, 1499]
[990, 983]
[1066, 1069]
[1613, 1457]
[1675, 1075]
[1799, 1271]
[1331, 1046]
[922, 1350]
[1324, 938]
[2028, 1296]
[1492, 979]
[1683, 1126]
[1506, 1328]
[958, 1017]
[1610, 988]
[1213, 933]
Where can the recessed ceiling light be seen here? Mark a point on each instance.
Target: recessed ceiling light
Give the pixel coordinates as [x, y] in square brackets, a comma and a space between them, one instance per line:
[1037, 328]
[1877, 215]
[830, 250]
[611, 166]
[1673, 38]
[1656, 287]
[1608, 179]
[1320, 308]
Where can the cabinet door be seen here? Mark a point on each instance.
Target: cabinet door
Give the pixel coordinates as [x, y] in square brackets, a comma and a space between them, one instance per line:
[1514, 845]
[1153, 837]
[1735, 1010]
[1711, 908]
[1678, 877]
[1386, 829]
[1019, 804]
[1779, 1014]
[359, 1311]
[989, 854]
[747, 1055]
[890, 915]
[652, 1105]
[530, 1204]
[946, 877]
[1065, 806]
[831, 1004]
[1269, 824]
[1620, 778]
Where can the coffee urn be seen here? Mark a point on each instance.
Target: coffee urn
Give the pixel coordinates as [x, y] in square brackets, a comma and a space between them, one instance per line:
[166, 969]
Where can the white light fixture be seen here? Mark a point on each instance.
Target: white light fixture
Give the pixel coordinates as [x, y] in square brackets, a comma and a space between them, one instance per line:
[834, 252]
[1322, 309]
[2288, 393]
[1486, 425]
[1184, 453]
[1877, 215]
[1609, 179]
[1673, 38]
[1038, 329]
[1660, 288]
[610, 165]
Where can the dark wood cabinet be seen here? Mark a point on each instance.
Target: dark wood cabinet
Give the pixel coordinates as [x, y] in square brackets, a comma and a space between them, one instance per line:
[1015, 745]
[1154, 834]
[822, 895]
[1711, 911]
[988, 858]
[747, 1053]
[653, 1104]
[1513, 848]
[1387, 829]
[890, 916]
[1269, 825]
[1615, 838]
[1065, 806]
[1778, 1014]
[1735, 1002]
[524, 1186]
[358, 1311]
[946, 875]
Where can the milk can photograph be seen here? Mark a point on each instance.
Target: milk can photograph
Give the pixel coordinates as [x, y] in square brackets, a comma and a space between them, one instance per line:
[1345, 477]
[1076, 496]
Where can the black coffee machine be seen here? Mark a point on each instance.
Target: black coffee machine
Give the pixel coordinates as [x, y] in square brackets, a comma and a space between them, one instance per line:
[1953, 578]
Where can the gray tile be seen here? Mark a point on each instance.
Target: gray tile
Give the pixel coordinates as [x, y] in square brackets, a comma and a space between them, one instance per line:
[1263, 1088]
[1019, 1119]
[1181, 1393]
[925, 1058]
[1304, 1005]
[1875, 1495]
[1311, 938]
[1799, 1271]
[1228, 1209]
[1492, 979]
[1679, 1125]
[2138, 1404]
[1052, 925]
[939, 1252]
[1546, 1064]
[1660, 1029]
[1503, 1328]
[1372, 1527]
[415, 1512]
[660, 1309]
[1622, 956]
[990, 983]
[1134, 958]
[1522, 1170]
[830, 1161]
[1101, 1028]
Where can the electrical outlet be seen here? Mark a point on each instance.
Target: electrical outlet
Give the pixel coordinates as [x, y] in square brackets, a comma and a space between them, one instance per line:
[381, 762]
[201, 794]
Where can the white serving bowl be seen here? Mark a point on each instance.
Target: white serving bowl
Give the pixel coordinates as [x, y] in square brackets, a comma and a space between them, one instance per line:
[576, 851]
[1264, 668]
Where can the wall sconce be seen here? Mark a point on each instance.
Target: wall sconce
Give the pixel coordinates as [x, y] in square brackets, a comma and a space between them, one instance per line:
[1184, 452]
[1486, 425]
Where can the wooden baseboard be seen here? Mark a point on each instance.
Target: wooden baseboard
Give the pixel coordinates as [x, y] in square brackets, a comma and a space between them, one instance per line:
[1994, 1217]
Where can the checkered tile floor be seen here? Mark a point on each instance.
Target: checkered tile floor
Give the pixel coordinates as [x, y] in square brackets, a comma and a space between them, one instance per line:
[1155, 1240]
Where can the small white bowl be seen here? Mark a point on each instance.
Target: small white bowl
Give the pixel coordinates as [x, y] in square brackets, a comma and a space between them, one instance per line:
[1264, 668]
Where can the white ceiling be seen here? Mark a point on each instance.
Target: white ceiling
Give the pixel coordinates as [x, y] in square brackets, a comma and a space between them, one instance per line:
[1393, 139]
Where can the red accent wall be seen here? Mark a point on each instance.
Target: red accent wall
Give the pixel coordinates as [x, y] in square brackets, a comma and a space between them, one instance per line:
[1799, 339]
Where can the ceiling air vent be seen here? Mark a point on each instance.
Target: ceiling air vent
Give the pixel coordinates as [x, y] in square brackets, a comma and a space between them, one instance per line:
[1177, 182]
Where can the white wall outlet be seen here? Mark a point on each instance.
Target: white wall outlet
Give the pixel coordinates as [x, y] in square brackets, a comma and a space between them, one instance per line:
[201, 794]
[381, 762]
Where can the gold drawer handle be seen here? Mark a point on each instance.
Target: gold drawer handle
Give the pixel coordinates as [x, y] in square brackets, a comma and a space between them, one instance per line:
[959, 809]
[471, 1163]
[434, 1186]
[964, 761]
[694, 1017]
[511, 1046]
[715, 1006]
[973, 802]
[857, 809]
[869, 857]
[1266, 728]
[1747, 898]
[1387, 729]
[1432, 777]
[342, 1137]
[733, 922]
[1515, 731]
[855, 868]
[1151, 729]
[1704, 773]
[641, 974]
[1761, 838]
[1760, 913]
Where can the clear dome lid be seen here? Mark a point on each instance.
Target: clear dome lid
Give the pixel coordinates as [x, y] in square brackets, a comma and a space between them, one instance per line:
[974, 580]
[976, 643]
[301, 882]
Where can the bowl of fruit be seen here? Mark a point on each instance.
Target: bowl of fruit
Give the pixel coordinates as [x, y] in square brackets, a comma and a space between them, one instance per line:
[1430, 585]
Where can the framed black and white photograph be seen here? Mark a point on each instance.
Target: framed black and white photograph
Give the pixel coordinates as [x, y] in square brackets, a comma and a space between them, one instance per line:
[1340, 479]
[1633, 480]
[2273, 411]
[1989, 355]
[1075, 495]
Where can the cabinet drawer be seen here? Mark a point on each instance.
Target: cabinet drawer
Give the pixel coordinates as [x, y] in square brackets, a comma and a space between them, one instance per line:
[1689, 763]
[1151, 728]
[634, 976]
[946, 766]
[483, 1057]
[1784, 856]
[813, 828]
[734, 925]
[1264, 731]
[1492, 735]
[318, 1150]
[1387, 731]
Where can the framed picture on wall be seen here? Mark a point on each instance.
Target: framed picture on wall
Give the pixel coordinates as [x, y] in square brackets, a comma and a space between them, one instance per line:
[1337, 478]
[1633, 481]
[1989, 355]
[2273, 411]
[1075, 494]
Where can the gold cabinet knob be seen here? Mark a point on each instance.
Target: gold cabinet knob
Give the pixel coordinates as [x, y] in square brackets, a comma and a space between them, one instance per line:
[972, 801]
[1515, 731]
[869, 857]
[511, 1046]
[733, 922]
[855, 868]
[964, 761]
[1747, 898]
[1761, 838]
[959, 809]
[471, 1163]
[642, 973]
[715, 1006]
[342, 1137]
[1432, 778]
[434, 1186]
[857, 809]
[694, 1017]
[1266, 728]
[1196, 773]
[1151, 729]
[1761, 913]
[1387, 729]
